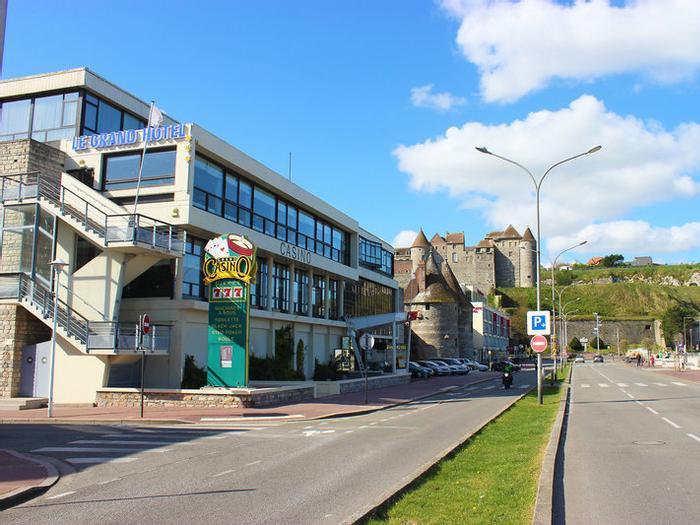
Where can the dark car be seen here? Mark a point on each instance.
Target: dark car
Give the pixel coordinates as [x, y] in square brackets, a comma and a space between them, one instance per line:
[417, 370]
[598, 359]
[499, 366]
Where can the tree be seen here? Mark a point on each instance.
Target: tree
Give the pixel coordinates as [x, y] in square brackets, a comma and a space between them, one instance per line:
[563, 277]
[593, 345]
[672, 320]
[575, 345]
[612, 260]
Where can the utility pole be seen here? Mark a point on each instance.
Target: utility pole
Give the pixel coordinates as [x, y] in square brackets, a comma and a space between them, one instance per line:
[597, 333]
[618, 341]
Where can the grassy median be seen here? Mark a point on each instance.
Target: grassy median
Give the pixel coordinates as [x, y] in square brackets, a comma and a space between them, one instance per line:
[492, 478]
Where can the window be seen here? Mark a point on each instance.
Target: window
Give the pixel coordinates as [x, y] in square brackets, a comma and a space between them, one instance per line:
[280, 288]
[368, 298]
[100, 116]
[333, 299]
[14, 119]
[375, 257]
[258, 289]
[245, 202]
[121, 171]
[192, 279]
[208, 186]
[319, 296]
[455, 257]
[306, 231]
[84, 252]
[157, 281]
[263, 211]
[301, 292]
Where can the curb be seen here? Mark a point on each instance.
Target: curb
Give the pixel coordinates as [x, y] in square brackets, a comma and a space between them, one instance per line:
[544, 504]
[24, 493]
[406, 482]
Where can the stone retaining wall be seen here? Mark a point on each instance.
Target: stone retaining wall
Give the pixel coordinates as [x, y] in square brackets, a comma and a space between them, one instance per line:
[330, 388]
[205, 398]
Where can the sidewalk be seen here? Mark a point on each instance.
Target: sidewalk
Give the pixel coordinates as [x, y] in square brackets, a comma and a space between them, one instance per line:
[22, 476]
[340, 405]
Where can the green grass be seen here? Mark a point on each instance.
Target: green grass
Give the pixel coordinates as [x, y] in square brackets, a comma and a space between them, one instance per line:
[492, 478]
[682, 272]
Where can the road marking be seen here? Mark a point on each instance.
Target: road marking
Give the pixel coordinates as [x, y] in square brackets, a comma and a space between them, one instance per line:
[97, 449]
[308, 433]
[349, 431]
[639, 403]
[671, 423]
[109, 481]
[652, 411]
[62, 495]
[629, 395]
[641, 384]
[250, 418]
[679, 383]
[80, 461]
[622, 385]
[603, 385]
[253, 463]
[222, 473]
[124, 442]
[696, 438]
[660, 384]
[489, 387]
[524, 386]
[585, 385]
[363, 426]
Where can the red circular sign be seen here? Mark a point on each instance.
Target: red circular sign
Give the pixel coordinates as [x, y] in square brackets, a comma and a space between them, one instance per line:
[145, 324]
[538, 343]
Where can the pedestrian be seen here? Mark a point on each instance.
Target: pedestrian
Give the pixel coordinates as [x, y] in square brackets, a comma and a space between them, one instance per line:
[639, 359]
[651, 360]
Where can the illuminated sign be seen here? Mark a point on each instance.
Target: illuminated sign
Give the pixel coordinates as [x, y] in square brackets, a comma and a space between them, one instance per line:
[129, 136]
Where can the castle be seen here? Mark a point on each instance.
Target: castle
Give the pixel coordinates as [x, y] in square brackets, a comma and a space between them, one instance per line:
[501, 259]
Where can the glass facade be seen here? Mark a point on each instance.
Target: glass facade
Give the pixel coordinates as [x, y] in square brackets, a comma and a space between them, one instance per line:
[333, 299]
[42, 118]
[280, 287]
[192, 278]
[99, 116]
[301, 292]
[157, 281]
[368, 298]
[375, 257]
[258, 289]
[227, 194]
[26, 241]
[319, 296]
[121, 171]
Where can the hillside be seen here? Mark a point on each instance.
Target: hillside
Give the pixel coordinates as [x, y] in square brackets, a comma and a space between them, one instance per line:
[621, 300]
[679, 274]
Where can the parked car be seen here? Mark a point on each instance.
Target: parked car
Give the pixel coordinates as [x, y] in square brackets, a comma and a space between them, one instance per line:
[417, 370]
[461, 367]
[474, 365]
[498, 366]
[579, 359]
[439, 368]
[598, 359]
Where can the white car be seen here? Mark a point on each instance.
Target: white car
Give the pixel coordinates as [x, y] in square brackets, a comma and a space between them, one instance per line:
[579, 359]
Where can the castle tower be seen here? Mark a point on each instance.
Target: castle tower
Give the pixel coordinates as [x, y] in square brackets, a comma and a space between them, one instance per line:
[419, 249]
[528, 258]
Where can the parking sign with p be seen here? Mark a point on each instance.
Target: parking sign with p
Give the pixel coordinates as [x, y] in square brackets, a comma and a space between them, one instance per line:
[538, 323]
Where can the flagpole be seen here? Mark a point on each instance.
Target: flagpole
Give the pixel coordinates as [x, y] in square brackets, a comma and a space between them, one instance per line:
[143, 157]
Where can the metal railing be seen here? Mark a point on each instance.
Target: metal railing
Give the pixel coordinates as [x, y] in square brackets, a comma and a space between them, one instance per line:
[132, 228]
[122, 337]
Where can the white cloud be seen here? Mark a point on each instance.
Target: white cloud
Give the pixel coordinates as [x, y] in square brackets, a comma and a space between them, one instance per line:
[631, 238]
[641, 163]
[423, 97]
[404, 239]
[520, 47]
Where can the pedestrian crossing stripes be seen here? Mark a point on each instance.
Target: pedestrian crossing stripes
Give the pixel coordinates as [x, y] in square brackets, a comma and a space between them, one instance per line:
[641, 384]
[622, 385]
[660, 384]
[603, 385]
[679, 383]
[85, 461]
[632, 385]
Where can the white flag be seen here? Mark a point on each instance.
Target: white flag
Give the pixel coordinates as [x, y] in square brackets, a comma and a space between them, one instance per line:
[156, 117]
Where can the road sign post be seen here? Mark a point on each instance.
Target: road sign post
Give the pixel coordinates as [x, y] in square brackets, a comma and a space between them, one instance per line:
[539, 323]
[367, 343]
[143, 328]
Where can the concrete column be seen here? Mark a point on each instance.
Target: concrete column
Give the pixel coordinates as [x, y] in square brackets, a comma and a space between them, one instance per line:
[309, 313]
[341, 298]
[270, 281]
[291, 293]
[394, 342]
[327, 298]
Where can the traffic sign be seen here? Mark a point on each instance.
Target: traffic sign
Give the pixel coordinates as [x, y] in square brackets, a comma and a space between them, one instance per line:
[145, 324]
[538, 322]
[538, 343]
[366, 341]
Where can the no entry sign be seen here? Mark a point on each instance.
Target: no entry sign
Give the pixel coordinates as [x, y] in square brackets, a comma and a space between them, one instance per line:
[538, 343]
[145, 323]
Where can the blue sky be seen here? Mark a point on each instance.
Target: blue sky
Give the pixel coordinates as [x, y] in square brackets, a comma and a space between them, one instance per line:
[381, 103]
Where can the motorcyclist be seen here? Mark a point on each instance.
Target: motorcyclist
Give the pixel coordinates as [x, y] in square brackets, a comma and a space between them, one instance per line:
[507, 375]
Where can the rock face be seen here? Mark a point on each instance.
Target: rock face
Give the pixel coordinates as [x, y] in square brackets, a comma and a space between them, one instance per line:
[669, 280]
[694, 280]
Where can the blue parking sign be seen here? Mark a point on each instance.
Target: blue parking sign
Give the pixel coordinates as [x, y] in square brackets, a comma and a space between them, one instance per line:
[538, 322]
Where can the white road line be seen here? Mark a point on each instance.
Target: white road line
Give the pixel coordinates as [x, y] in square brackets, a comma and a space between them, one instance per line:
[253, 463]
[622, 385]
[124, 442]
[693, 436]
[674, 425]
[585, 385]
[641, 384]
[349, 431]
[80, 461]
[652, 411]
[109, 481]
[222, 473]
[660, 384]
[97, 449]
[363, 426]
[603, 385]
[679, 383]
[639, 403]
[629, 395]
[489, 387]
[248, 418]
[524, 386]
[61, 495]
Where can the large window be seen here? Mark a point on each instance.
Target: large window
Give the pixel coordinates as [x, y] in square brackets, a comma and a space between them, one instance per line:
[258, 289]
[157, 281]
[55, 117]
[368, 298]
[14, 119]
[374, 256]
[26, 241]
[121, 171]
[192, 279]
[319, 296]
[229, 195]
[280, 288]
[333, 296]
[99, 116]
[301, 292]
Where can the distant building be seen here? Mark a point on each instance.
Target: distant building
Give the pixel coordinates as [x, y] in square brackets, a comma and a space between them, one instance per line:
[595, 261]
[642, 261]
[491, 328]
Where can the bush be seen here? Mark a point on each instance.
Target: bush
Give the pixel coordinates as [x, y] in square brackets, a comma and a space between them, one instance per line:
[563, 277]
[300, 357]
[325, 372]
[279, 367]
[575, 345]
[594, 344]
[193, 376]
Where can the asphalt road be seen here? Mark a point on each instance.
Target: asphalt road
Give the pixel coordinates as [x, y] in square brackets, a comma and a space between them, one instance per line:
[294, 472]
[632, 449]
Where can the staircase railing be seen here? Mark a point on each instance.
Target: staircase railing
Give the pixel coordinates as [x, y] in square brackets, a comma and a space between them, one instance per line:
[111, 228]
[122, 337]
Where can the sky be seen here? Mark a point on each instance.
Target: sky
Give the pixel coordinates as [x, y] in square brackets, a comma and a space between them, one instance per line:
[382, 102]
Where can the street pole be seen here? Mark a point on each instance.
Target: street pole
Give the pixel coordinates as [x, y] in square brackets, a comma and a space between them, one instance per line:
[597, 333]
[618, 342]
[57, 266]
[538, 186]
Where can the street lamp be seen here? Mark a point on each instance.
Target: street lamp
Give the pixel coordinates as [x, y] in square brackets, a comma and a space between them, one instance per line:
[538, 186]
[57, 265]
[685, 346]
[554, 314]
[566, 321]
[561, 313]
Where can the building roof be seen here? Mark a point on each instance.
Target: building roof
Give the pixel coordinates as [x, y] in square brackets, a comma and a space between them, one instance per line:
[510, 233]
[437, 239]
[455, 238]
[527, 235]
[594, 261]
[485, 243]
[421, 241]
[437, 290]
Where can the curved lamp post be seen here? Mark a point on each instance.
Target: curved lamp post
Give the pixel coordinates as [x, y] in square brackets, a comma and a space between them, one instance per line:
[57, 265]
[538, 186]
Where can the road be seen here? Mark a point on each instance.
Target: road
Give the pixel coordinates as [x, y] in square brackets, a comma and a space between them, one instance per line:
[632, 449]
[254, 473]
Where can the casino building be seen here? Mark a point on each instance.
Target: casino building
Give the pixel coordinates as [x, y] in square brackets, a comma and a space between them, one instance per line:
[70, 147]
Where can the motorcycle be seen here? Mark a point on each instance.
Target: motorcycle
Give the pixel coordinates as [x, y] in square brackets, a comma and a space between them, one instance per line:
[507, 380]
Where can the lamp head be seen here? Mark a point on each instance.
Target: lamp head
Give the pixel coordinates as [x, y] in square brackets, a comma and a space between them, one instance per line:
[58, 264]
[594, 149]
[482, 149]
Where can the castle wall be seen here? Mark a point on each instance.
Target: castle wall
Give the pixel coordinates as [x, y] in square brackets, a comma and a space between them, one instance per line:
[428, 340]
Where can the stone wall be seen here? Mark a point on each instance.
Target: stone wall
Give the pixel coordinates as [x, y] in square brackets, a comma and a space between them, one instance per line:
[204, 398]
[429, 333]
[22, 156]
[18, 328]
[631, 331]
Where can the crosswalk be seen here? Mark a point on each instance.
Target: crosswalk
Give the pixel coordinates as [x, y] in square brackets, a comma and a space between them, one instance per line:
[628, 385]
[132, 444]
